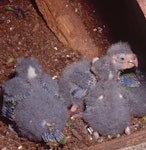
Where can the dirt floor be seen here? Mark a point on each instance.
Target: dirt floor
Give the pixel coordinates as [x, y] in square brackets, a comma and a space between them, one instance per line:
[23, 33]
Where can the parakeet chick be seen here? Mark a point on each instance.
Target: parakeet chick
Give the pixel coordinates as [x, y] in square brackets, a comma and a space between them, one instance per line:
[137, 96]
[119, 57]
[75, 83]
[32, 101]
[107, 110]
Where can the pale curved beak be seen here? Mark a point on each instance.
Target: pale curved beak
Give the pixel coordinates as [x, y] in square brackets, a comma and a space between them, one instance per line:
[132, 60]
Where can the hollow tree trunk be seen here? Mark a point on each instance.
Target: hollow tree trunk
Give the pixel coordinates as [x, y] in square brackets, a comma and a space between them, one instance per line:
[67, 26]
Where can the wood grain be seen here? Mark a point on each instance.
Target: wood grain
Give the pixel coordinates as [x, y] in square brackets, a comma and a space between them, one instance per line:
[67, 26]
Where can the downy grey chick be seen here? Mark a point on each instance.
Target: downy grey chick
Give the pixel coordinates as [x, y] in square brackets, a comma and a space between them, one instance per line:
[19, 87]
[137, 95]
[107, 111]
[30, 100]
[119, 57]
[75, 83]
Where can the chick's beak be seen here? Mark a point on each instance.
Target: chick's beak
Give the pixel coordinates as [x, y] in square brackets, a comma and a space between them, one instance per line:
[132, 60]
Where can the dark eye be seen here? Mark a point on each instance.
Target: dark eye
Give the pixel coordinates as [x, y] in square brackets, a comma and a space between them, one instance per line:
[122, 57]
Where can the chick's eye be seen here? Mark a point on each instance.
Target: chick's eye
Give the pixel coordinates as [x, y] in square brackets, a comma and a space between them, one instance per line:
[122, 57]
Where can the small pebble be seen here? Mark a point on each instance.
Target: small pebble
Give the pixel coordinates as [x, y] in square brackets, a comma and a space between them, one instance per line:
[55, 48]
[76, 10]
[20, 147]
[94, 29]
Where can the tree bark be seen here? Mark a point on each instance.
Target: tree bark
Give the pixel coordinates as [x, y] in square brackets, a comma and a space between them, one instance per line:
[67, 26]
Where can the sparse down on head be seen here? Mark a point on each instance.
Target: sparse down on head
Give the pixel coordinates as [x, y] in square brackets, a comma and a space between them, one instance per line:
[122, 56]
[119, 57]
[28, 68]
